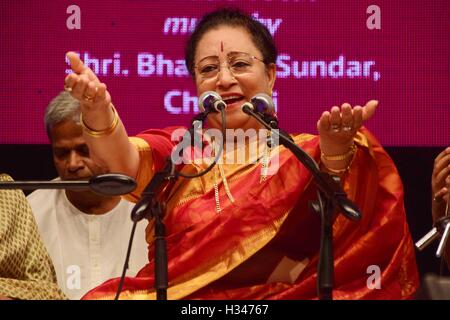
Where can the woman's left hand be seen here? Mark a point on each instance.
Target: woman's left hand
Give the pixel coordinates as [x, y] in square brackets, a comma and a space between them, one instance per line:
[338, 127]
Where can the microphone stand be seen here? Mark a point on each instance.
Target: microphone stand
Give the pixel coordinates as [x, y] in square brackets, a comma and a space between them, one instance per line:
[110, 184]
[151, 206]
[330, 189]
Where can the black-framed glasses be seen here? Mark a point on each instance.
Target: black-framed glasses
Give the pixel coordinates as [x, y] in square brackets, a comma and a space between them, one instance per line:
[237, 62]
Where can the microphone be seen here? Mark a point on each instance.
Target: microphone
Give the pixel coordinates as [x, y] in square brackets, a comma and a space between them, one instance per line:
[110, 184]
[440, 229]
[211, 101]
[263, 103]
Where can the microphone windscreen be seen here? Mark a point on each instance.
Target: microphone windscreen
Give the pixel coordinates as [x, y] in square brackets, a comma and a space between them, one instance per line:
[207, 99]
[112, 184]
[263, 103]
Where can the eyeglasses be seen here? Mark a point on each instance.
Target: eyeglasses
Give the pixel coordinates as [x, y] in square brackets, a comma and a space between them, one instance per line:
[237, 62]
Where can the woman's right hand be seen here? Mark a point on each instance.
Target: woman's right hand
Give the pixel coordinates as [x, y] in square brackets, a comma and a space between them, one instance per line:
[99, 116]
[94, 99]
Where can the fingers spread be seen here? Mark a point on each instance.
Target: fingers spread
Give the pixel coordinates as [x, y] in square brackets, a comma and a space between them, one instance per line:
[347, 119]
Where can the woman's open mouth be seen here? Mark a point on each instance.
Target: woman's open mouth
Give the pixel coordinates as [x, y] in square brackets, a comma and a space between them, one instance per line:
[234, 101]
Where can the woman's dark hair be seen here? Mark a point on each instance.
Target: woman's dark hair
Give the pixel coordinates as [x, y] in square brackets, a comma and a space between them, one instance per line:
[235, 18]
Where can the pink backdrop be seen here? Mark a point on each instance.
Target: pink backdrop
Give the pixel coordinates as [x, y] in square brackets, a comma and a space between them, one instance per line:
[405, 64]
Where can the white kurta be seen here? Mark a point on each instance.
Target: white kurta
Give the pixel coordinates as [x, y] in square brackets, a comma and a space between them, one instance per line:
[87, 250]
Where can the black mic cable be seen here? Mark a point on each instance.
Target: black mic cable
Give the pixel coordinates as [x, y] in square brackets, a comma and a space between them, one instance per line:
[127, 260]
[263, 105]
[200, 117]
[209, 101]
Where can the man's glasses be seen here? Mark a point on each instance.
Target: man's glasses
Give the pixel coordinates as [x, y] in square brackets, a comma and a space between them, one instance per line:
[237, 62]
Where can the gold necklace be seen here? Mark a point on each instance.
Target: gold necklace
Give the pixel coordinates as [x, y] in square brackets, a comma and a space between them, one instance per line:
[225, 185]
[265, 163]
[263, 177]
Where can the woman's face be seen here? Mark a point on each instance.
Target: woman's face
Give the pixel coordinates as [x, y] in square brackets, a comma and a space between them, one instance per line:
[235, 89]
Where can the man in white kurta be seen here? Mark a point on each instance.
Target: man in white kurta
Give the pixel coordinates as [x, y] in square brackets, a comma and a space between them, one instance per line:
[86, 249]
[86, 234]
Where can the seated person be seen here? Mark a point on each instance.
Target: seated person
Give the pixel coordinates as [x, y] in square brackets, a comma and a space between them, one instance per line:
[440, 186]
[26, 271]
[85, 233]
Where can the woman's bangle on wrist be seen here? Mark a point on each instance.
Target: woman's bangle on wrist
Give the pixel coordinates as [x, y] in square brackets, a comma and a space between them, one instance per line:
[101, 133]
[339, 157]
[350, 153]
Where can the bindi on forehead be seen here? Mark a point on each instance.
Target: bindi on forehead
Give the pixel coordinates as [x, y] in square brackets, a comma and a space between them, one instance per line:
[221, 46]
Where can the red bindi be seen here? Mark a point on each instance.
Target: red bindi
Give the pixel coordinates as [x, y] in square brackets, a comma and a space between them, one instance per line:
[221, 46]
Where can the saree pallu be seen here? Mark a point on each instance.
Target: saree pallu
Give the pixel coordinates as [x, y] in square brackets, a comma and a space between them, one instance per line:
[231, 254]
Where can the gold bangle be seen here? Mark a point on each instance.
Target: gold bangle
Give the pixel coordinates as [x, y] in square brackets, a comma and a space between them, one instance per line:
[339, 157]
[344, 170]
[339, 171]
[100, 133]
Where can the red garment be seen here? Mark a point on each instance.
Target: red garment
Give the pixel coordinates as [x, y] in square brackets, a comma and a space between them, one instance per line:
[232, 255]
